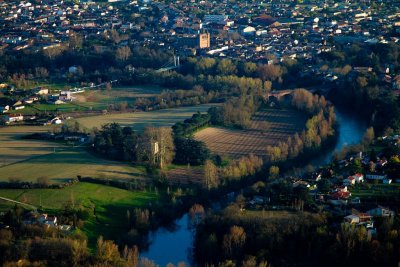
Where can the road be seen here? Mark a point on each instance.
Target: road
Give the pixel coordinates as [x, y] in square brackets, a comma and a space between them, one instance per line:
[17, 202]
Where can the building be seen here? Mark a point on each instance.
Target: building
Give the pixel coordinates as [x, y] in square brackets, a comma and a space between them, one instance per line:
[381, 212]
[221, 19]
[360, 219]
[201, 40]
[41, 91]
[353, 179]
[4, 109]
[372, 176]
[13, 118]
[65, 96]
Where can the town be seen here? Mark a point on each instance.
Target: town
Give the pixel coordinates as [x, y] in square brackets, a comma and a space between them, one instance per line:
[199, 133]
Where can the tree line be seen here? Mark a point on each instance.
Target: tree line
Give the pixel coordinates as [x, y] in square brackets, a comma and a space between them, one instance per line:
[319, 128]
[189, 150]
[155, 146]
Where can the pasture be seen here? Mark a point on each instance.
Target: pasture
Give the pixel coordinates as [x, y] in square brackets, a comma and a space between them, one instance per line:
[13, 148]
[93, 99]
[26, 160]
[107, 205]
[139, 120]
[280, 124]
[101, 99]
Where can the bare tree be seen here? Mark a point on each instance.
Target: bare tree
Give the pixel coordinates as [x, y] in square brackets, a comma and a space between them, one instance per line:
[210, 174]
[123, 53]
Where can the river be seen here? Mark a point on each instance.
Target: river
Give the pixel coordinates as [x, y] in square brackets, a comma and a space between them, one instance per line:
[173, 246]
[168, 246]
[351, 131]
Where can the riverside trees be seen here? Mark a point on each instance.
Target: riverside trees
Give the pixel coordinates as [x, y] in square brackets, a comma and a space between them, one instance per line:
[319, 127]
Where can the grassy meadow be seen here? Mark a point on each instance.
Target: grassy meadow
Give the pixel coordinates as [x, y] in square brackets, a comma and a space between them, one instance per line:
[139, 120]
[107, 205]
[92, 99]
[27, 160]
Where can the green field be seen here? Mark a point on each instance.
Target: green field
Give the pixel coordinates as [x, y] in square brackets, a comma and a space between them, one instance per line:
[109, 203]
[14, 149]
[67, 163]
[139, 120]
[101, 99]
[92, 99]
[375, 190]
[27, 160]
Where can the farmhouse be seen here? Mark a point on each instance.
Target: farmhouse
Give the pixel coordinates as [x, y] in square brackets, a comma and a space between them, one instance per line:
[41, 91]
[340, 193]
[19, 107]
[65, 96]
[359, 219]
[4, 109]
[55, 120]
[12, 118]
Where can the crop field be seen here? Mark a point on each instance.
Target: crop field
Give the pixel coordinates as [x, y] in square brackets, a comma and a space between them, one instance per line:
[185, 176]
[110, 204]
[139, 120]
[280, 124]
[26, 160]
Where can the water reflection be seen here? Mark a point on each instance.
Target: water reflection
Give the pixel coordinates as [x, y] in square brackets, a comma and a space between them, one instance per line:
[171, 246]
[175, 246]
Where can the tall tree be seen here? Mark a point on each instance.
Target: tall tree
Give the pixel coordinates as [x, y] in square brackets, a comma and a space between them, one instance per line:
[210, 174]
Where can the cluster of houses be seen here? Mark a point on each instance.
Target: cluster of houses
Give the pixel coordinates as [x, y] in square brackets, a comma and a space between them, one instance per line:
[252, 29]
[34, 218]
[17, 100]
[366, 219]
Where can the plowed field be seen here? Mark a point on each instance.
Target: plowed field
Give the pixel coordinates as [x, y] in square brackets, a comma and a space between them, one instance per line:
[281, 123]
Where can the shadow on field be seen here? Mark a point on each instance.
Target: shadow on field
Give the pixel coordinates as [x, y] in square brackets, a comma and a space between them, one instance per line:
[125, 173]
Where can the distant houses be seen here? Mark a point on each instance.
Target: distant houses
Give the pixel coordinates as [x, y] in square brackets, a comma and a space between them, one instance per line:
[33, 218]
[12, 118]
[353, 179]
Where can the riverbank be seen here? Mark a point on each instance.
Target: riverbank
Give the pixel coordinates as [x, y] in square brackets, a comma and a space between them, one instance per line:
[350, 130]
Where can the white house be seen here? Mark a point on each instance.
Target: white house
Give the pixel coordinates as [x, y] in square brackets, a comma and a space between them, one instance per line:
[353, 179]
[353, 219]
[359, 218]
[4, 109]
[51, 221]
[65, 96]
[19, 107]
[58, 102]
[13, 118]
[249, 30]
[55, 120]
[381, 212]
[41, 91]
[387, 181]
